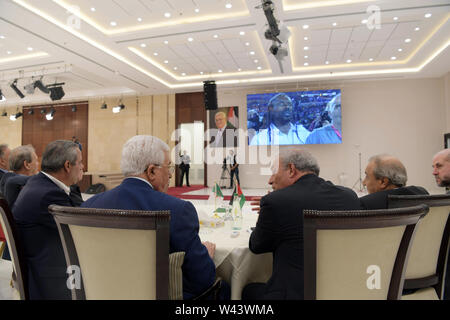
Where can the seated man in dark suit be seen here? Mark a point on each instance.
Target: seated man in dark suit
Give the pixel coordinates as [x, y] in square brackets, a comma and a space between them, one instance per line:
[62, 167]
[279, 229]
[147, 170]
[385, 175]
[4, 163]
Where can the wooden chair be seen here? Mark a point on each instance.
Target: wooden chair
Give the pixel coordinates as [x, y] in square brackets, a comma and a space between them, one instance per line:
[20, 270]
[428, 258]
[122, 254]
[357, 254]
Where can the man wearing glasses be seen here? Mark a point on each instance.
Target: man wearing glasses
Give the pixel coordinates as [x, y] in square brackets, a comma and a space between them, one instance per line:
[147, 170]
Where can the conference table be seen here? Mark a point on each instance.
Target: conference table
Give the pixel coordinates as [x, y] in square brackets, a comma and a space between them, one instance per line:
[234, 261]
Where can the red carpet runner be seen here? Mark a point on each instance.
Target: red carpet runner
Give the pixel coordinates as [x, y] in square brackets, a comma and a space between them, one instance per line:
[179, 192]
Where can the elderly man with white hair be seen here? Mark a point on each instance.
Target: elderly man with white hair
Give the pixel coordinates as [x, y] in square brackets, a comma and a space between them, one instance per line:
[147, 169]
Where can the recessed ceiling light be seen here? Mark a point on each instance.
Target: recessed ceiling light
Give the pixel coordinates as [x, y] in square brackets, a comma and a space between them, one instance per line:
[8, 52]
[215, 36]
[166, 61]
[306, 57]
[228, 5]
[183, 74]
[242, 33]
[400, 50]
[113, 23]
[305, 48]
[428, 15]
[2, 37]
[201, 72]
[93, 9]
[408, 40]
[220, 70]
[155, 53]
[364, 21]
[175, 68]
[30, 49]
[139, 19]
[371, 59]
[239, 69]
[190, 39]
[252, 53]
[306, 64]
[305, 38]
[197, 10]
[395, 18]
[259, 68]
[327, 62]
[393, 58]
[305, 26]
[167, 14]
[247, 44]
[349, 60]
[143, 45]
[255, 61]
[166, 42]
[334, 24]
[417, 29]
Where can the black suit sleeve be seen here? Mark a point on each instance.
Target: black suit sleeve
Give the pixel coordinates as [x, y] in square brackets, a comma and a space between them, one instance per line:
[265, 237]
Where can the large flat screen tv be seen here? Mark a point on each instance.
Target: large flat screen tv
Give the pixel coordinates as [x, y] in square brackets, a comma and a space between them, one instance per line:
[293, 118]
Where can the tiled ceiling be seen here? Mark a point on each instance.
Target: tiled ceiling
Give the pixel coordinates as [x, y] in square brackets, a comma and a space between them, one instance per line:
[155, 46]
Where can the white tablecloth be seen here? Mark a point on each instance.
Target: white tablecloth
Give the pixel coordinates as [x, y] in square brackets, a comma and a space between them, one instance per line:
[233, 259]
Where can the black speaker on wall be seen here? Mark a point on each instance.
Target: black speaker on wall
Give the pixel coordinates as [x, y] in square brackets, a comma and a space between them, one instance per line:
[209, 90]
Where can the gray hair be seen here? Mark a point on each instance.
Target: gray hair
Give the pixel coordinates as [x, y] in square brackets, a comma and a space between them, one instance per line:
[301, 159]
[336, 101]
[56, 154]
[3, 148]
[387, 166]
[279, 96]
[19, 155]
[141, 151]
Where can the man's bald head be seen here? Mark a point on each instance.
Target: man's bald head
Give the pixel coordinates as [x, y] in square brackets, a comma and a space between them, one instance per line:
[441, 168]
[384, 172]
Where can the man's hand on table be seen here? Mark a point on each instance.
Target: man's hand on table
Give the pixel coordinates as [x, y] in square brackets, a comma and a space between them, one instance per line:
[211, 247]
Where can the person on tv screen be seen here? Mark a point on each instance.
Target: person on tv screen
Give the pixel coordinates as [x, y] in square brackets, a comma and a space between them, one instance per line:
[332, 132]
[281, 128]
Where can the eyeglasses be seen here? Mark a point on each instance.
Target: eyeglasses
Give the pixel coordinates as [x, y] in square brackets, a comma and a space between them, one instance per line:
[171, 168]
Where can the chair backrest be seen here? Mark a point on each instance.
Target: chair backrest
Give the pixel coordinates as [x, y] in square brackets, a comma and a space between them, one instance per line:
[15, 249]
[357, 254]
[122, 254]
[428, 257]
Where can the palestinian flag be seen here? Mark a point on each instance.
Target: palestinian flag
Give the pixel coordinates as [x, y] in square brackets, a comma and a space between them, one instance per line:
[240, 196]
[233, 117]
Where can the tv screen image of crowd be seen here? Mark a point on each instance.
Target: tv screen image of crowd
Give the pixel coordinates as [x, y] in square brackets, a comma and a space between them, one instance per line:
[294, 118]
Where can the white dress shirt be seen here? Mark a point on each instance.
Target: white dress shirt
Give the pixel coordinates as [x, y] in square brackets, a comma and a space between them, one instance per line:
[60, 184]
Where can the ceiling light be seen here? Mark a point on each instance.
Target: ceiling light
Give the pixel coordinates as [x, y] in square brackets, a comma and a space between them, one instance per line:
[56, 91]
[349, 61]
[93, 9]
[220, 70]
[252, 53]
[306, 57]
[408, 40]
[12, 117]
[74, 109]
[104, 105]
[305, 38]
[14, 87]
[371, 59]
[38, 84]
[247, 44]
[306, 64]
[259, 68]
[166, 61]
[113, 23]
[2, 97]
[428, 15]
[43, 111]
[242, 33]
[364, 21]
[228, 5]
[175, 68]
[30, 49]
[155, 53]
[50, 115]
[29, 88]
[417, 29]
[395, 18]
[4, 114]
[167, 14]
[400, 50]
[327, 62]
[183, 74]
[334, 24]
[166, 42]
[305, 26]
[197, 10]
[8, 52]
[239, 69]
[255, 61]
[139, 19]
[201, 72]
[215, 36]
[393, 58]
[31, 112]
[118, 108]
[305, 48]
[2, 37]
[143, 45]
[190, 39]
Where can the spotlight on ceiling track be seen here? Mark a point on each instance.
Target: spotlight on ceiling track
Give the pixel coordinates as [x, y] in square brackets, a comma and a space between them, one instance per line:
[31, 112]
[50, 115]
[104, 106]
[74, 109]
[38, 84]
[56, 91]
[118, 108]
[14, 87]
[16, 116]
[2, 97]
[43, 111]
[29, 88]
[4, 114]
